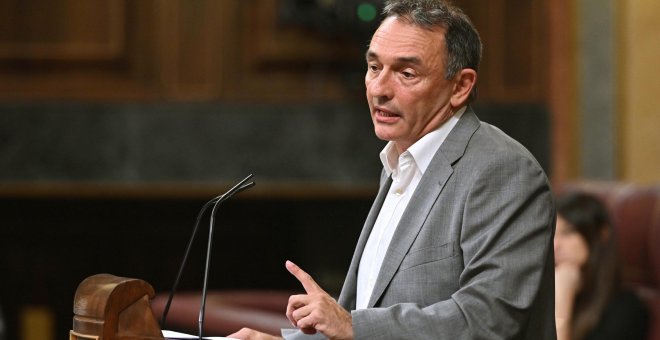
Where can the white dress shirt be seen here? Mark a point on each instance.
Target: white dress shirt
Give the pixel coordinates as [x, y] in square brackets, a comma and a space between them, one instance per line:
[406, 170]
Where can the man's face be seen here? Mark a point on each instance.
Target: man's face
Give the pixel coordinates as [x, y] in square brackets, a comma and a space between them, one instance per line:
[407, 92]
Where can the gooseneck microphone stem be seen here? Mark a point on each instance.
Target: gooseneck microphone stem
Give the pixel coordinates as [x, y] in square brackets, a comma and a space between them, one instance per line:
[237, 188]
[202, 308]
[242, 185]
[184, 261]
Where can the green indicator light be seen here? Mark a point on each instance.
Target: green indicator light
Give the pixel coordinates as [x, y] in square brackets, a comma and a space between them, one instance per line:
[366, 12]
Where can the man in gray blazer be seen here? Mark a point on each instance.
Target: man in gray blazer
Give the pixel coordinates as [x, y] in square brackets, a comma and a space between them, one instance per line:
[458, 243]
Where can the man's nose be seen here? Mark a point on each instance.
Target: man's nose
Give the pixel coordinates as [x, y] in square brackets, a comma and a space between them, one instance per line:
[380, 87]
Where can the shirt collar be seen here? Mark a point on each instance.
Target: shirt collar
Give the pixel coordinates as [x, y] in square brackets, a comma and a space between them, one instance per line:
[423, 150]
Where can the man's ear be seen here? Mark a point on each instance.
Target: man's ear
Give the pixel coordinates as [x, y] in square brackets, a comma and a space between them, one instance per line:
[464, 82]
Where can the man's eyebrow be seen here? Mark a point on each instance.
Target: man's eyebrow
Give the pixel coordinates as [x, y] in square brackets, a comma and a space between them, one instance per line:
[400, 60]
[409, 60]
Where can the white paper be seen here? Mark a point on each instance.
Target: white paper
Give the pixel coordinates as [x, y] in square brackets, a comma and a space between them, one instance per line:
[177, 335]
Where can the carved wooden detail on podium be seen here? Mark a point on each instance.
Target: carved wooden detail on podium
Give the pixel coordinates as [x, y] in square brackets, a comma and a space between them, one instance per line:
[108, 307]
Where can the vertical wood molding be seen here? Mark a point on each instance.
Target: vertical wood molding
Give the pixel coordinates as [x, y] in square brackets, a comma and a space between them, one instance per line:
[562, 88]
[639, 116]
[198, 32]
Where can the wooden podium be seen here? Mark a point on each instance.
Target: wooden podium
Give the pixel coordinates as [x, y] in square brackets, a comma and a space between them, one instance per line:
[108, 307]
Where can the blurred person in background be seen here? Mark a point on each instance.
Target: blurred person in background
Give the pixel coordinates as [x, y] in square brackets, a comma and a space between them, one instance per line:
[590, 300]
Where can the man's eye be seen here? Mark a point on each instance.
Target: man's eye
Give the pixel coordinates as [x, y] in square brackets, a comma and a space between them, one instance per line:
[408, 75]
[373, 68]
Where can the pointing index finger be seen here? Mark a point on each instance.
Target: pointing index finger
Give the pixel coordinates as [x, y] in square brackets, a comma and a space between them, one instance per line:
[305, 279]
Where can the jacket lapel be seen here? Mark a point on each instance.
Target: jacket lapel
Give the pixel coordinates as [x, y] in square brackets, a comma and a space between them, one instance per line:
[429, 188]
[347, 296]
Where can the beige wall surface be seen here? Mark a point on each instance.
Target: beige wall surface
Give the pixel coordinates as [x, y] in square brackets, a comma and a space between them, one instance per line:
[639, 36]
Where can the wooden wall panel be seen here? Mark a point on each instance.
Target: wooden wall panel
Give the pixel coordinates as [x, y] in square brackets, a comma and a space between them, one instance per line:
[228, 50]
[280, 61]
[513, 66]
[61, 30]
[65, 50]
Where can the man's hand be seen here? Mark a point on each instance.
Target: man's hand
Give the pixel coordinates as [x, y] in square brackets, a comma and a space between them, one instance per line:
[251, 334]
[317, 310]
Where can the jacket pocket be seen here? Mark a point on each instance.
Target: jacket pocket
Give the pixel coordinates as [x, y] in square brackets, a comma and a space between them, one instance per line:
[428, 255]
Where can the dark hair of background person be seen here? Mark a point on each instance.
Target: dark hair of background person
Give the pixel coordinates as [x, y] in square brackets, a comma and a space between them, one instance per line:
[461, 37]
[588, 216]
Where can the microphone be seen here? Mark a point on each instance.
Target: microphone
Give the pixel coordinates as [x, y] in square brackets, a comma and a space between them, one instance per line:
[240, 186]
[236, 189]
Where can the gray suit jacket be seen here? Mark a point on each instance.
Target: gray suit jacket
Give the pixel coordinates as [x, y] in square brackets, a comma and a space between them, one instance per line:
[472, 257]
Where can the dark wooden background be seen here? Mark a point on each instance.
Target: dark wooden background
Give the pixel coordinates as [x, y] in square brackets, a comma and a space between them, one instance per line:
[119, 118]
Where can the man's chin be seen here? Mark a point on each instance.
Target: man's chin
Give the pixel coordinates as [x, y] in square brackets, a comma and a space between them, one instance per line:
[385, 135]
